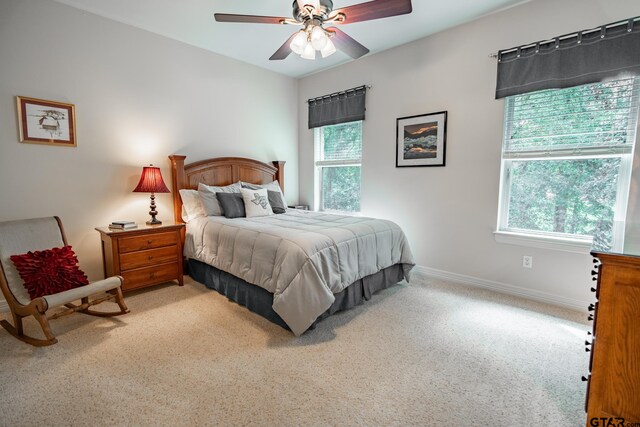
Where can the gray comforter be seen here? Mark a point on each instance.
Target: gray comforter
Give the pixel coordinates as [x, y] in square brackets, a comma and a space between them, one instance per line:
[302, 257]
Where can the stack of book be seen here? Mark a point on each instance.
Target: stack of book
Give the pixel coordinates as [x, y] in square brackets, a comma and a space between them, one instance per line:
[122, 225]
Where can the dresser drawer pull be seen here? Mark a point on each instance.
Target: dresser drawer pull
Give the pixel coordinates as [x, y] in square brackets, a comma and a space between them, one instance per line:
[149, 241]
[152, 275]
[150, 257]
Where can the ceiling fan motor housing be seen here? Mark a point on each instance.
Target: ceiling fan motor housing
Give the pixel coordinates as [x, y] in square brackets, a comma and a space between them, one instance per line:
[322, 12]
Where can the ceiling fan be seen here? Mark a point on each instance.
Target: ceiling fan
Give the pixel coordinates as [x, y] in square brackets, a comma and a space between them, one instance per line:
[312, 15]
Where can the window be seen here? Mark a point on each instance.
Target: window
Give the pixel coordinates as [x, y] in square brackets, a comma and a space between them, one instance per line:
[338, 157]
[566, 161]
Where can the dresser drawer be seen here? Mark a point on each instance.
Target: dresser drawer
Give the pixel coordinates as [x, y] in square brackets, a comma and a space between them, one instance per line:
[141, 277]
[149, 241]
[131, 260]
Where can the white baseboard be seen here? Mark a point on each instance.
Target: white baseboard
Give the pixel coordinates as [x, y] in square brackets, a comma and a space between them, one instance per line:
[505, 288]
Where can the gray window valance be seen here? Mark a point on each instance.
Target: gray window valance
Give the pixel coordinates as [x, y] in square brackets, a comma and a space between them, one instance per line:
[588, 56]
[339, 107]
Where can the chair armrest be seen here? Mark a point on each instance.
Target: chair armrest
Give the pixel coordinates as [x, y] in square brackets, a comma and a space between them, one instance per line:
[65, 297]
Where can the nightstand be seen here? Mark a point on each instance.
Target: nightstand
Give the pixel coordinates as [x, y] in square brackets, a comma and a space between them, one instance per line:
[144, 256]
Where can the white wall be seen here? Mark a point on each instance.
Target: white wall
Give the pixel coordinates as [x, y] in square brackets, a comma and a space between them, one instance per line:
[139, 97]
[449, 213]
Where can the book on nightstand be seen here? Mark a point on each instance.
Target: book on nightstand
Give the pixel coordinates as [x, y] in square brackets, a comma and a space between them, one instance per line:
[122, 225]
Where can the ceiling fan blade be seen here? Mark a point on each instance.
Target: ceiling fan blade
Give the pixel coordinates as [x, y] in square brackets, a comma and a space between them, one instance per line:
[251, 19]
[375, 9]
[284, 50]
[346, 44]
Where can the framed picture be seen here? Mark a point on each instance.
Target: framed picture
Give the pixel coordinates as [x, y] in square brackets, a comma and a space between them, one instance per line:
[421, 140]
[46, 122]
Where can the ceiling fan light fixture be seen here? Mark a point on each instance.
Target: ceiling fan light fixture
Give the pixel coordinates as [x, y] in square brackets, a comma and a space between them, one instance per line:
[328, 49]
[299, 42]
[309, 52]
[318, 38]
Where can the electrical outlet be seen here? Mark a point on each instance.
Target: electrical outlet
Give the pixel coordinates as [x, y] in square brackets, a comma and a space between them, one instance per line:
[527, 261]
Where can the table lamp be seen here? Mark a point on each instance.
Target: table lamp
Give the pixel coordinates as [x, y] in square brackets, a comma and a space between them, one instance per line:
[151, 182]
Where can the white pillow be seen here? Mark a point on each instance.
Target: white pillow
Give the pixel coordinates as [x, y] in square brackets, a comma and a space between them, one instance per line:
[191, 205]
[210, 201]
[256, 202]
[273, 186]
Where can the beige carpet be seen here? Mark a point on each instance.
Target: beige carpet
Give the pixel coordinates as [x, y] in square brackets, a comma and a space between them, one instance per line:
[429, 353]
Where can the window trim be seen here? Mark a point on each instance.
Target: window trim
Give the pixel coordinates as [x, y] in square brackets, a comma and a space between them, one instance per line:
[558, 241]
[566, 244]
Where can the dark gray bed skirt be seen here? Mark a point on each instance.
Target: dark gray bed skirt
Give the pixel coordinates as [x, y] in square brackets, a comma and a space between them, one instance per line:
[260, 300]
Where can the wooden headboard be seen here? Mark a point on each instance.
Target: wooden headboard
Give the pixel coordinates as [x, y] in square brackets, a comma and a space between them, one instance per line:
[219, 171]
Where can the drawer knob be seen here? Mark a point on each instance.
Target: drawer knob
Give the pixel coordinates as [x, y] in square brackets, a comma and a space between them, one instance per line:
[594, 273]
[152, 275]
[593, 289]
[584, 378]
[149, 241]
[150, 257]
[591, 307]
[590, 317]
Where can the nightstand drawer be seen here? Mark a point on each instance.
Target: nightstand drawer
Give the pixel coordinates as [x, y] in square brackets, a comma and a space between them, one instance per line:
[149, 241]
[131, 260]
[146, 276]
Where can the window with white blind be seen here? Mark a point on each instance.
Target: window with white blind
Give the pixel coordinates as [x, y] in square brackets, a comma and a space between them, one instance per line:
[566, 161]
[338, 159]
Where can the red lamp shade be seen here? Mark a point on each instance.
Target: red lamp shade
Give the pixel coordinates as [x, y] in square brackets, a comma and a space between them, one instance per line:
[151, 181]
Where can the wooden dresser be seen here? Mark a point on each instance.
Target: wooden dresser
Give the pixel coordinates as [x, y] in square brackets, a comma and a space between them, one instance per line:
[144, 256]
[613, 389]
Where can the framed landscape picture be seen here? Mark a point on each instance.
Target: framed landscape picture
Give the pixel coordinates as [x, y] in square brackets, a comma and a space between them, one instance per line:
[46, 122]
[421, 140]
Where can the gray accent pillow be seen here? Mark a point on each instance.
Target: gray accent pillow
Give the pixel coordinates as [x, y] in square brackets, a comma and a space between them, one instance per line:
[232, 204]
[276, 202]
[210, 201]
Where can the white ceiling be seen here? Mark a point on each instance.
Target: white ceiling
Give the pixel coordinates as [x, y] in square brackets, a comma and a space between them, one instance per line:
[191, 21]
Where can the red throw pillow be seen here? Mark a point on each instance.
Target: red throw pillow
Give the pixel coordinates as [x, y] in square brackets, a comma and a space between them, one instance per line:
[50, 271]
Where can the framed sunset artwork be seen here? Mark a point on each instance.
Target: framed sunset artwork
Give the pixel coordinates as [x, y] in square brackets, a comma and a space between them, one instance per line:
[421, 140]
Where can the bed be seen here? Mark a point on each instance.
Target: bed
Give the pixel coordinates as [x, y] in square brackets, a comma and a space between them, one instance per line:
[294, 268]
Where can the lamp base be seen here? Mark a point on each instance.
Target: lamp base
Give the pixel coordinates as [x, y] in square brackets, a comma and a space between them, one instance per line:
[153, 212]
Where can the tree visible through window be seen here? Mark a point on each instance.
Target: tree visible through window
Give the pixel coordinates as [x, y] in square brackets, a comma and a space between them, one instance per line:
[338, 158]
[567, 159]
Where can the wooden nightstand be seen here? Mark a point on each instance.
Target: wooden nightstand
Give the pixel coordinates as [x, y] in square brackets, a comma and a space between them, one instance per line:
[144, 256]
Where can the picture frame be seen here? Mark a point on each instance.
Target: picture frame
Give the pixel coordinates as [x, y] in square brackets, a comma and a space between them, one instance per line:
[46, 122]
[421, 140]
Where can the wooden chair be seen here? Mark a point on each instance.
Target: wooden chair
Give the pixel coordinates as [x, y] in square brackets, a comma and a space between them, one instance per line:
[18, 237]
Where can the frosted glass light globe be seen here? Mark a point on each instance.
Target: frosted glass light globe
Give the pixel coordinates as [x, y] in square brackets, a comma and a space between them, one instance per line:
[318, 38]
[328, 49]
[309, 52]
[299, 42]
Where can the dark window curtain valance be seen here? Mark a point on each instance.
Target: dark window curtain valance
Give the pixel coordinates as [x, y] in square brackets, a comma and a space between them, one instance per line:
[339, 107]
[575, 59]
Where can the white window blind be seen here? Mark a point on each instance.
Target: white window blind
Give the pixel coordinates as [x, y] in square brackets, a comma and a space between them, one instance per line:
[340, 144]
[592, 119]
